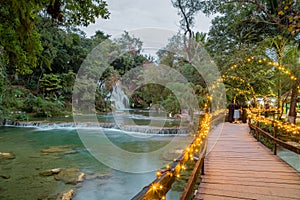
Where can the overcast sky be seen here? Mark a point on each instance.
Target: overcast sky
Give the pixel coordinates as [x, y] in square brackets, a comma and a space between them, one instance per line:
[154, 22]
[136, 14]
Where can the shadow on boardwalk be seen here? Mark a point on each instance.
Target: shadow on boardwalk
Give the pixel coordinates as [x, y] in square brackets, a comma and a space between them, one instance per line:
[239, 167]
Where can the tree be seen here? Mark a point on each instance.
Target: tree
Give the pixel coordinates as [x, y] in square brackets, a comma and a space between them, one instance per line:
[291, 57]
[19, 37]
[187, 9]
[247, 25]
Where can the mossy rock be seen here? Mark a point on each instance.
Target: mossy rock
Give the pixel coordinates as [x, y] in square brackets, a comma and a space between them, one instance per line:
[68, 176]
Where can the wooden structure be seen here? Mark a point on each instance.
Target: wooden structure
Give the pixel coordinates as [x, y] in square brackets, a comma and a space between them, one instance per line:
[239, 167]
[158, 188]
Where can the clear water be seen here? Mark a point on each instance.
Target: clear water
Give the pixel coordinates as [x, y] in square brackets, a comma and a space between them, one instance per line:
[290, 157]
[26, 183]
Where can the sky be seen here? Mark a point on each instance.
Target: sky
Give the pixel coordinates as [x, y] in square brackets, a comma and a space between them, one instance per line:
[154, 22]
[137, 14]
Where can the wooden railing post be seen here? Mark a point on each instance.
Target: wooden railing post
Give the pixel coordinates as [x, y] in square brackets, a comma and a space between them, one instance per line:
[257, 132]
[202, 168]
[275, 136]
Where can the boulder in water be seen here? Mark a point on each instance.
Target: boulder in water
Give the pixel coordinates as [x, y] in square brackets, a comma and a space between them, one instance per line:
[68, 195]
[4, 155]
[69, 176]
[80, 178]
[50, 172]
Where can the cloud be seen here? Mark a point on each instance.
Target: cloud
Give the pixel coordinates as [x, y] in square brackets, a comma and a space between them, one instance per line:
[137, 14]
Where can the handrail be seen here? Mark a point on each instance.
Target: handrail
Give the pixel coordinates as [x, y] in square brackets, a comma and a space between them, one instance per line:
[198, 169]
[158, 188]
[275, 140]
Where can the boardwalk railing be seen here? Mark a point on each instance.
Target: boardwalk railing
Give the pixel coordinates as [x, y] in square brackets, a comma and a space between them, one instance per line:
[198, 169]
[166, 177]
[273, 138]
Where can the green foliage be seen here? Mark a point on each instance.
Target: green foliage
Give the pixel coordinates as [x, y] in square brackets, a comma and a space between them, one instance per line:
[42, 107]
[171, 105]
[19, 36]
[246, 29]
[50, 83]
[74, 12]
[130, 56]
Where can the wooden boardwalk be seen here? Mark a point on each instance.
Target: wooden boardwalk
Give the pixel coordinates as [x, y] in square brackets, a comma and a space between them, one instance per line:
[239, 167]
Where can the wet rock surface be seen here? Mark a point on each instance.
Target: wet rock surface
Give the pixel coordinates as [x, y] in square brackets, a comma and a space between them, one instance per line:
[68, 195]
[4, 155]
[69, 176]
[50, 172]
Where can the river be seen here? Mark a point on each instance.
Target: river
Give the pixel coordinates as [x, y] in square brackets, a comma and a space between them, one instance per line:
[20, 177]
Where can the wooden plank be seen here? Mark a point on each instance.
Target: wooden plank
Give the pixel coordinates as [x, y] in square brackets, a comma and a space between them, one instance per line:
[253, 182]
[204, 192]
[251, 191]
[283, 180]
[238, 167]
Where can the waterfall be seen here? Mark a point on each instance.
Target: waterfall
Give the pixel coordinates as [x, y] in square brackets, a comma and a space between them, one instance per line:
[119, 98]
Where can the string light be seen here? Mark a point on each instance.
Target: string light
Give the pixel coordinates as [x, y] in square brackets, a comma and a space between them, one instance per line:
[157, 190]
[283, 126]
[262, 61]
[158, 174]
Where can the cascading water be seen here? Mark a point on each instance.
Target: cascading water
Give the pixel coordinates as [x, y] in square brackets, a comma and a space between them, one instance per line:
[119, 98]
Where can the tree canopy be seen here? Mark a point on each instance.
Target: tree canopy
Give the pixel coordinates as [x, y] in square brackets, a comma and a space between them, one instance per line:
[19, 37]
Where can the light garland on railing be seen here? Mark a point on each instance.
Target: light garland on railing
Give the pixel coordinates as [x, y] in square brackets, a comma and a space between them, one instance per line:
[195, 146]
[157, 190]
[284, 126]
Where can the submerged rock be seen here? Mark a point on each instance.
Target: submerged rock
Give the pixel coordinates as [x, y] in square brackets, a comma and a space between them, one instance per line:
[4, 155]
[98, 176]
[69, 176]
[50, 172]
[64, 149]
[5, 176]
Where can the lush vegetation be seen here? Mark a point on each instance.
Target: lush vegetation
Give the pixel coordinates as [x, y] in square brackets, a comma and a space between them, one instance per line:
[255, 44]
[40, 52]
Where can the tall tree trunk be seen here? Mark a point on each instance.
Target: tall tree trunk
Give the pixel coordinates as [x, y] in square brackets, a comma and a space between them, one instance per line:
[293, 107]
